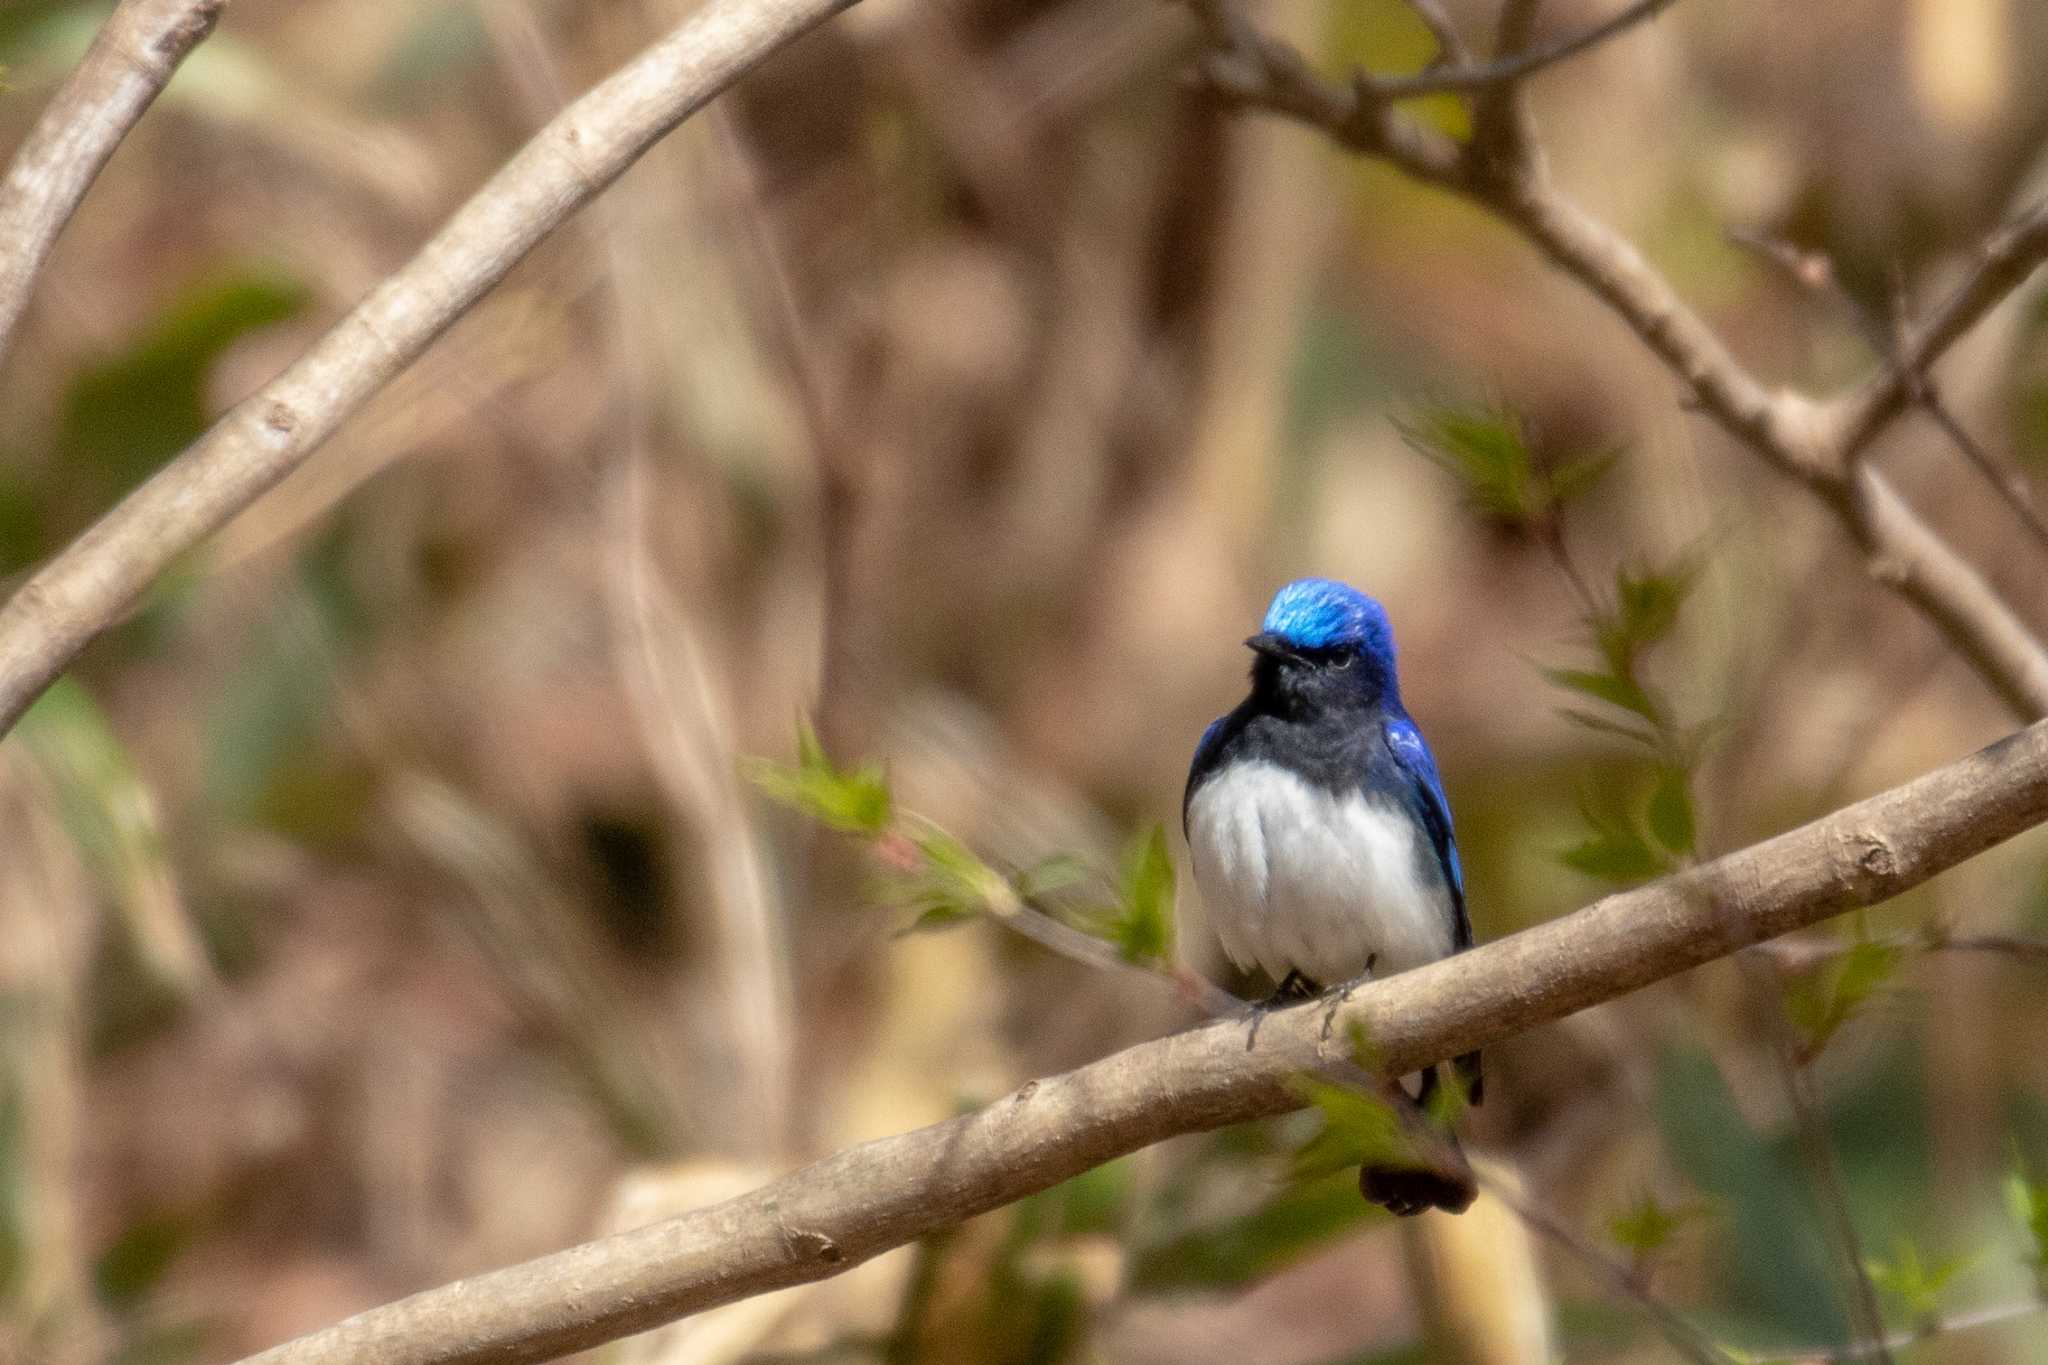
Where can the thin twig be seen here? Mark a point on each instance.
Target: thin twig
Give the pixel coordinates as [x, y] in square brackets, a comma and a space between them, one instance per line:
[2004, 261]
[1815, 273]
[832, 1215]
[1914, 1336]
[1687, 1339]
[1800, 438]
[1450, 45]
[1802, 954]
[2004, 481]
[130, 61]
[1822, 1166]
[1517, 66]
[93, 582]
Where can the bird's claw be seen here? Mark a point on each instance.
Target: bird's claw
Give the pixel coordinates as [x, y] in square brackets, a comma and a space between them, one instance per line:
[1335, 1000]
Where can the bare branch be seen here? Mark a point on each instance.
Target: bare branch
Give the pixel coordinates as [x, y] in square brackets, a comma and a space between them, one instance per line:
[2004, 261]
[1518, 63]
[1450, 47]
[130, 60]
[1906, 555]
[97, 578]
[836, 1213]
[1941, 1327]
[1795, 955]
[1815, 273]
[1798, 437]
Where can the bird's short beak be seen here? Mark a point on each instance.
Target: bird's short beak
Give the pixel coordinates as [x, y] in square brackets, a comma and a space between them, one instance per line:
[1271, 645]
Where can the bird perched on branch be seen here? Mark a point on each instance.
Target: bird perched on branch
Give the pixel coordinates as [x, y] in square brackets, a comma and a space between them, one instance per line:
[1319, 831]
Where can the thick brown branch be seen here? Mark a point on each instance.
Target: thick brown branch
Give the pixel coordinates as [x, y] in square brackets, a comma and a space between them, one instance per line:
[840, 1211]
[129, 61]
[88, 586]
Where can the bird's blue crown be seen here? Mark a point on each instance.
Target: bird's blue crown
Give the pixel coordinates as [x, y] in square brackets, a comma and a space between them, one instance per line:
[1320, 613]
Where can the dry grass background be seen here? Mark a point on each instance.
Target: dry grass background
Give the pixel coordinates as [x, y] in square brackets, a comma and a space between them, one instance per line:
[381, 903]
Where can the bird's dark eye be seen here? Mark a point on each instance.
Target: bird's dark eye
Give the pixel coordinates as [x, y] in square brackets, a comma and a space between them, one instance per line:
[1343, 660]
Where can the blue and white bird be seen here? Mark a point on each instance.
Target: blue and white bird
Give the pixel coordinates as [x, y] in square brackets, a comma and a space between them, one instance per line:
[1317, 822]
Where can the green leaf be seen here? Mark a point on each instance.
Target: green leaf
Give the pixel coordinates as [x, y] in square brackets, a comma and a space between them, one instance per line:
[140, 1257]
[937, 919]
[125, 416]
[2027, 1200]
[850, 800]
[1648, 1226]
[1056, 873]
[1576, 477]
[1602, 725]
[1911, 1281]
[1645, 611]
[110, 813]
[1670, 813]
[1358, 1129]
[1820, 1002]
[1611, 688]
[1616, 854]
[1144, 925]
[1234, 1252]
[947, 884]
[1485, 450]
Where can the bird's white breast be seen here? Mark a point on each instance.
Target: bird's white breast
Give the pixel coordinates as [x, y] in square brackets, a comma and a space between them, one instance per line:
[1298, 878]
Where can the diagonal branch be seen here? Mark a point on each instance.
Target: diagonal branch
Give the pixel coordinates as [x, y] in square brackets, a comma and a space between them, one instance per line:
[1800, 438]
[1816, 274]
[87, 587]
[2004, 262]
[130, 61]
[838, 1212]
[1517, 62]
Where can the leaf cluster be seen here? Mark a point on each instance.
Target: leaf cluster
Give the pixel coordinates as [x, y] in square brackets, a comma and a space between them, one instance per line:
[942, 882]
[1646, 1228]
[1655, 830]
[850, 800]
[1487, 450]
[1914, 1283]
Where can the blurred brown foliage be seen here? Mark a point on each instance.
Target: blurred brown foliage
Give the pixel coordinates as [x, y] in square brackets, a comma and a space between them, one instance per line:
[382, 902]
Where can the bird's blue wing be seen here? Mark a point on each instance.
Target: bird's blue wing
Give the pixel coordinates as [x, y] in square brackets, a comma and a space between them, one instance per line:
[1205, 758]
[1411, 751]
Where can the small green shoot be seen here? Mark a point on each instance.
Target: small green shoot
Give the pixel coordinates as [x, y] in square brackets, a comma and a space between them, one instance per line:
[1914, 1284]
[850, 800]
[2027, 1200]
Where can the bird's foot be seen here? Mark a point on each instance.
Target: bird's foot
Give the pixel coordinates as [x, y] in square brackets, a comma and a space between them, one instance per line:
[1292, 990]
[1335, 1000]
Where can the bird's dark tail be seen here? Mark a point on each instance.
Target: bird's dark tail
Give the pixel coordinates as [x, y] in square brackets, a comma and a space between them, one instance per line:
[1471, 1077]
[1441, 1179]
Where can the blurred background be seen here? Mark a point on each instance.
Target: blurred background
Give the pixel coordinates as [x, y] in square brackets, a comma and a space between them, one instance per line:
[384, 901]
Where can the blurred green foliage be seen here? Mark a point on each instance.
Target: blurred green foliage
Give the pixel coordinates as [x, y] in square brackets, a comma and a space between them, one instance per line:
[2026, 1199]
[1912, 1282]
[1821, 1000]
[1487, 451]
[941, 882]
[1647, 826]
[122, 416]
[127, 414]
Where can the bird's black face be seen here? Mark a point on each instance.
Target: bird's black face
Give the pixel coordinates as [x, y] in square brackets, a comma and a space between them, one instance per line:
[1297, 680]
